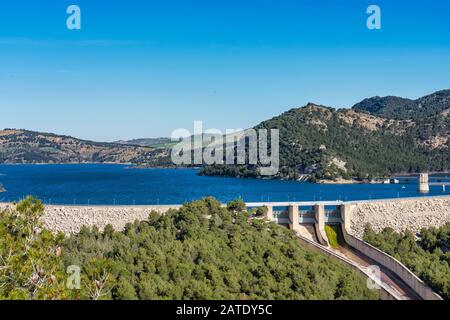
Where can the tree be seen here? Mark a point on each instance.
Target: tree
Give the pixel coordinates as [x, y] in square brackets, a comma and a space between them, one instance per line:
[205, 251]
[30, 263]
[425, 257]
[261, 211]
[200, 251]
[236, 206]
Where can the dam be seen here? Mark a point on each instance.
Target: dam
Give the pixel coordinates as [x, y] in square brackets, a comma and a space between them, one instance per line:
[309, 221]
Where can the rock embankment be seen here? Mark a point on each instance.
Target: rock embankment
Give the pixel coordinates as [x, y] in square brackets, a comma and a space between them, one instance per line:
[70, 219]
[400, 215]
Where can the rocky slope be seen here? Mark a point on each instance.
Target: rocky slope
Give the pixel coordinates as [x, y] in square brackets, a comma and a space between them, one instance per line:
[400, 215]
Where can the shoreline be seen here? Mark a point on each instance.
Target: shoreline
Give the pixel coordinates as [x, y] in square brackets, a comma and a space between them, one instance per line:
[305, 178]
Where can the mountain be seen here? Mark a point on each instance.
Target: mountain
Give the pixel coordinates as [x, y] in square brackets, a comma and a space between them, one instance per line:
[375, 138]
[23, 146]
[400, 108]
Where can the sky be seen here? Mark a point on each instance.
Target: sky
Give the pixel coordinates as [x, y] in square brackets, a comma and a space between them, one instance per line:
[145, 68]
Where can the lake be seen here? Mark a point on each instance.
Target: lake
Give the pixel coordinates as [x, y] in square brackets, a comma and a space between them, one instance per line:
[110, 184]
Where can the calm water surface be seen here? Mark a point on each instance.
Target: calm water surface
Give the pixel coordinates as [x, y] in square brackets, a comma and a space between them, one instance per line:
[105, 184]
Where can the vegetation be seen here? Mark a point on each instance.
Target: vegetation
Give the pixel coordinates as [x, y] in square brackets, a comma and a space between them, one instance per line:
[428, 257]
[261, 211]
[236, 206]
[333, 235]
[160, 143]
[377, 138]
[400, 108]
[30, 262]
[23, 146]
[201, 251]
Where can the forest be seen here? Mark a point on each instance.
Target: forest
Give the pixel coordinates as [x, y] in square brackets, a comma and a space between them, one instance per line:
[200, 251]
[428, 256]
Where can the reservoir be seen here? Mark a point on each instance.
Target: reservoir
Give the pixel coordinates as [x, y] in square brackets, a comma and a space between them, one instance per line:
[111, 184]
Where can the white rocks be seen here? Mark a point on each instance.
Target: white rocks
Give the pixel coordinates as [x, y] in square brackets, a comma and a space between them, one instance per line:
[402, 214]
[70, 219]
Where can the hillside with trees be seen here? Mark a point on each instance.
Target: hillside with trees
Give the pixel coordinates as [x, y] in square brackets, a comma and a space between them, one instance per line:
[400, 108]
[376, 138]
[201, 251]
[148, 142]
[23, 146]
[428, 257]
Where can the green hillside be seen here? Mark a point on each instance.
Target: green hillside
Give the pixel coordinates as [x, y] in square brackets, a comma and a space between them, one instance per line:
[378, 137]
[400, 108]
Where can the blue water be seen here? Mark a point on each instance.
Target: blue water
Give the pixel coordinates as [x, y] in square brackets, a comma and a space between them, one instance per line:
[105, 184]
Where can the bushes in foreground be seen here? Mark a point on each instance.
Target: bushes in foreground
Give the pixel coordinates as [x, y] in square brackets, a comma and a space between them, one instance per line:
[30, 262]
[201, 251]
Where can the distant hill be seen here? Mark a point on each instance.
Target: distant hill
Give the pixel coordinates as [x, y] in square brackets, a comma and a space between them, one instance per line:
[23, 146]
[149, 142]
[400, 108]
[377, 137]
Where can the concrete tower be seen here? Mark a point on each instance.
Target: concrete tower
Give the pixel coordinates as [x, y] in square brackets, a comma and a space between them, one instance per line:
[424, 187]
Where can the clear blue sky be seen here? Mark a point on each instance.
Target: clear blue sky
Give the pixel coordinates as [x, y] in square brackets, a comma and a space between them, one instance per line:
[144, 68]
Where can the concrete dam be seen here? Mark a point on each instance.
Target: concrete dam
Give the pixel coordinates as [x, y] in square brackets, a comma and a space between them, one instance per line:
[395, 281]
[309, 221]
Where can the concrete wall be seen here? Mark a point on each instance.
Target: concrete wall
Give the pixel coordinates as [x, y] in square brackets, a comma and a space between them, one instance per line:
[346, 215]
[293, 217]
[424, 186]
[386, 293]
[269, 214]
[351, 212]
[294, 220]
[398, 214]
[393, 265]
[319, 211]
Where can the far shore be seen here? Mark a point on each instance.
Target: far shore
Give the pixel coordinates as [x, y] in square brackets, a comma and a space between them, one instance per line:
[305, 178]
